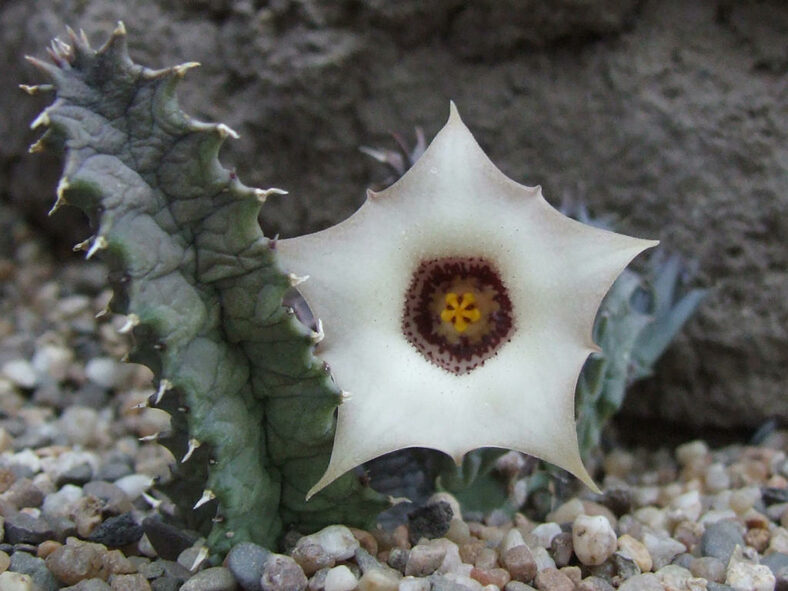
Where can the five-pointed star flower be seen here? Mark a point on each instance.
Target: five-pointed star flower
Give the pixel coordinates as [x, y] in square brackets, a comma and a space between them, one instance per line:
[457, 307]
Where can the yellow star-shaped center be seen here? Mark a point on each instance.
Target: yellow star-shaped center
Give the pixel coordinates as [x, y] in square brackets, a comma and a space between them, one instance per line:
[460, 310]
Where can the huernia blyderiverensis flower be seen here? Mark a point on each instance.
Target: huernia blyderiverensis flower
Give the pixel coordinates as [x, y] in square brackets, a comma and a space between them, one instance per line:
[457, 307]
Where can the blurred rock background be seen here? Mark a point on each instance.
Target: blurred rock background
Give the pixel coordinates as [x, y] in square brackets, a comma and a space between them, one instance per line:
[671, 115]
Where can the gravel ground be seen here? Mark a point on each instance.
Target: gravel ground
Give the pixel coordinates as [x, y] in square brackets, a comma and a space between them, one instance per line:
[78, 505]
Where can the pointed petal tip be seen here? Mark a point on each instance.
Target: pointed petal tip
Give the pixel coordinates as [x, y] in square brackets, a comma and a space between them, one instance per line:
[454, 114]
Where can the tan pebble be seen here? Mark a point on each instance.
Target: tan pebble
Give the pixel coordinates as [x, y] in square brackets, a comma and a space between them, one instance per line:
[743, 499]
[424, 559]
[522, 523]
[669, 492]
[592, 508]
[470, 551]
[520, 562]
[377, 579]
[46, 548]
[635, 550]
[5, 440]
[87, 514]
[5, 561]
[573, 573]
[619, 463]
[777, 481]
[554, 580]
[459, 533]
[757, 538]
[567, 512]
[77, 561]
[486, 558]
[493, 576]
[135, 582]
[366, 539]
[7, 478]
[489, 533]
[401, 536]
[688, 533]
[594, 584]
[779, 540]
[749, 472]
[692, 451]
[16, 582]
[311, 556]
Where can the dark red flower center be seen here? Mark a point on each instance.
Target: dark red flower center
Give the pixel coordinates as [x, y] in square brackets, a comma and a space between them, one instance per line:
[457, 312]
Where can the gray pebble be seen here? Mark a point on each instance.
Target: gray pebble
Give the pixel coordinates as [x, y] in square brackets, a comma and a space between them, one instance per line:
[398, 559]
[720, 539]
[594, 584]
[165, 584]
[561, 549]
[89, 585]
[23, 493]
[626, 568]
[282, 573]
[112, 471]
[776, 561]
[709, 568]
[247, 561]
[78, 475]
[217, 578]
[168, 540]
[718, 587]
[21, 528]
[518, 586]
[645, 582]
[366, 561]
[22, 562]
[115, 500]
[684, 560]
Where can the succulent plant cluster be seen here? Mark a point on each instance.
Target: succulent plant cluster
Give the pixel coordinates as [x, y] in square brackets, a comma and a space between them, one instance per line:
[252, 408]
[211, 308]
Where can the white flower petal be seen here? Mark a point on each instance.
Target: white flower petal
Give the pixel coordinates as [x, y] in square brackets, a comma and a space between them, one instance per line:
[455, 203]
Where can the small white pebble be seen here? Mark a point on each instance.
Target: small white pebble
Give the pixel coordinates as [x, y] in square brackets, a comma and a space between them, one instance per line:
[593, 539]
[778, 542]
[743, 499]
[542, 559]
[543, 534]
[134, 485]
[337, 540]
[10, 581]
[716, 478]
[691, 452]
[21, 372]
[340, 578]
[414, 584]
[685, 507]
[53, 361]
[743, 576]
[512, 539]
[103, 371]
